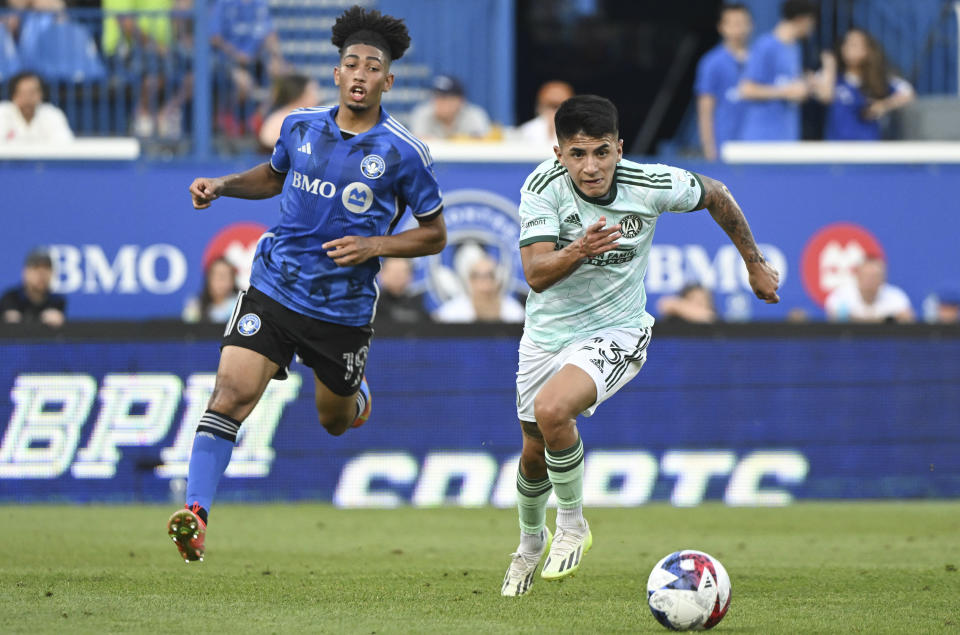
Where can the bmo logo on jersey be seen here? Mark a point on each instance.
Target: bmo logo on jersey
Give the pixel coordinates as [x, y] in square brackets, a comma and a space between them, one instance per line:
[326, 189]
[357, 197]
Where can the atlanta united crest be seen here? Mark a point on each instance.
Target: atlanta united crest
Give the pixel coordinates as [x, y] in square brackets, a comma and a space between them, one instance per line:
[373, 166]
[630, 225]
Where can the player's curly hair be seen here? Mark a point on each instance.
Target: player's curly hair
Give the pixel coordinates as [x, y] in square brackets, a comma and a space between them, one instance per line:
[385, 32]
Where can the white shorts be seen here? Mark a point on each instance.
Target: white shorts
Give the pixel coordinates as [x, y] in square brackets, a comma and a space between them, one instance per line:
[612, 357]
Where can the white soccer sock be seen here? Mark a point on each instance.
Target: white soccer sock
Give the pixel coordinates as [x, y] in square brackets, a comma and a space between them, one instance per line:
[571, 518]
[532, 543]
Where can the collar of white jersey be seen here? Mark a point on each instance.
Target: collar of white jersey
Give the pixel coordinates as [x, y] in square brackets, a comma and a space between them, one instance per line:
[604, 200]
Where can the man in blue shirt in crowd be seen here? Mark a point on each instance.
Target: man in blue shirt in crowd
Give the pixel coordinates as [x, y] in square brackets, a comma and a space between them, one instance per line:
[719, 109]
[345, 175]
[773, 86]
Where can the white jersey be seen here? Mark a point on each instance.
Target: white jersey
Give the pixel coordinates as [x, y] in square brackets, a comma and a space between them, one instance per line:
[846, 303]
[605, 291]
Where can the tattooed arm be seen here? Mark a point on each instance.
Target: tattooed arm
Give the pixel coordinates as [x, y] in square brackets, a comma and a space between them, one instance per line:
[764, 279]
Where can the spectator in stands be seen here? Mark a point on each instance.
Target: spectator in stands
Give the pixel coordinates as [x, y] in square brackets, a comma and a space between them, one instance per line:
[139, 37]
[33, 302]
[397, 303]
[943, 307]
[250, 52]
[694, 303]
[289, 93]
[773, 85]
[862, 93]
[219, 295]
[868, 297]
[484, 300]
[448, 114]
[26, 118]
[59, 49]
[719, 109]
[539, 131]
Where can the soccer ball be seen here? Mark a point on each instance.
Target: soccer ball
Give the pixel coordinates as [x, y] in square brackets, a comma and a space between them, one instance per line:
[688, 591]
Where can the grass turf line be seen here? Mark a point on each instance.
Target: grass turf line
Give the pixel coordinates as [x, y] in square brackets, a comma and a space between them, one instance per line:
[808, 568]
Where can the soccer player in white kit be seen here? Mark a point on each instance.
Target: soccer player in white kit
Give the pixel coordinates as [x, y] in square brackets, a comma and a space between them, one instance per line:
[587, 224]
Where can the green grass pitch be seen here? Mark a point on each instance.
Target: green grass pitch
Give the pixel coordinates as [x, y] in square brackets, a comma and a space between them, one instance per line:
[808, 568]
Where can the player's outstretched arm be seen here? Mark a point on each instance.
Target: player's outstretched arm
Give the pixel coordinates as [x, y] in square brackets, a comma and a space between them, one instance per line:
[427, 239]
[764, 279]
[544, 266]
[259, 182]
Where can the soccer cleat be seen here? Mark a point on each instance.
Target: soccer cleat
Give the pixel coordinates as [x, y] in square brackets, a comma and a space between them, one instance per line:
[565, 553]
[519, 578]
[188, 531]
[363, 416]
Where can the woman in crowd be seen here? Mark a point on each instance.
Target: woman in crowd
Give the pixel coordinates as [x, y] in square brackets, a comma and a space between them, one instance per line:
[861, 91]
[215, 303]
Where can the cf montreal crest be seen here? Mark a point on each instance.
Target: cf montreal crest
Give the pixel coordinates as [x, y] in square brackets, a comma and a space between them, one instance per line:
[373, 166]
[248, 324]
[478, 222]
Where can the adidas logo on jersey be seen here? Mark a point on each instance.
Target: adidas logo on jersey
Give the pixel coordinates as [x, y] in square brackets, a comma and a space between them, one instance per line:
[305, 148]
[573, 219]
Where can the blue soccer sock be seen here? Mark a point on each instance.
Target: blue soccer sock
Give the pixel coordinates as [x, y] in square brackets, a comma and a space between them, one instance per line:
[212, 449]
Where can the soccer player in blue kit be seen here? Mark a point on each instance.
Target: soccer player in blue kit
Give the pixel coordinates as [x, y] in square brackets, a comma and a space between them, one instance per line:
[345, 175]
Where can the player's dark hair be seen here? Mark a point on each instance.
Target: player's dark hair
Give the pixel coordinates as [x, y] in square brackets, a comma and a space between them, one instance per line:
[19, 77]
[791, 9]
[358, 26]
[591, 115]
[735, 6]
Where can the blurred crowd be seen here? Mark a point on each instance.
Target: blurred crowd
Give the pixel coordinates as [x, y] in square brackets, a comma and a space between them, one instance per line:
[142, 52]
[747, 88]
[753, 90]
[865, 297]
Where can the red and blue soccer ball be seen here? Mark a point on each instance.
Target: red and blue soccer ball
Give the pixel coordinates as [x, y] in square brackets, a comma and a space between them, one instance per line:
[688, 591]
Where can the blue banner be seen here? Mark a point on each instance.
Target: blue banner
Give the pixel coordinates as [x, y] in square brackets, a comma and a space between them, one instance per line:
[758, 421]
[129, 245]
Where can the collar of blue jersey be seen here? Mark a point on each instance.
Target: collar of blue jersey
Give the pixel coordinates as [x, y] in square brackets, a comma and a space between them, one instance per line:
[332, 113]
[606, 199]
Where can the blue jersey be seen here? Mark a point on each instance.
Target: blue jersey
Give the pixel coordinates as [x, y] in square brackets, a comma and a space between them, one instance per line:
[773, 63]
[718, 74]
[336, 188]
[845, 120]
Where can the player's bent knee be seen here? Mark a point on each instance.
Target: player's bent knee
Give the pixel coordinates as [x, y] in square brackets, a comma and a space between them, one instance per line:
[336, 426]
[550, 416]
[333, 421]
